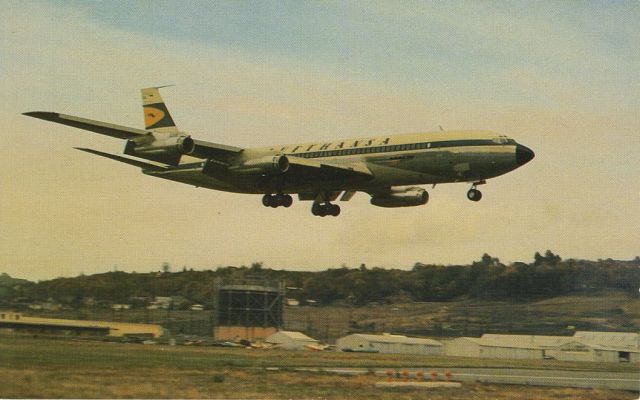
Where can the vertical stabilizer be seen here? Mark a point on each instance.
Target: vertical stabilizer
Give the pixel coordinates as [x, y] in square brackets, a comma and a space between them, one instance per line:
[156, 114]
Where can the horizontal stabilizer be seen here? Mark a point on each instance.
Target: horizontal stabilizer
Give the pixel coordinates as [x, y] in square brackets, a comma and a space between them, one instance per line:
[104, 128]
[125, 160]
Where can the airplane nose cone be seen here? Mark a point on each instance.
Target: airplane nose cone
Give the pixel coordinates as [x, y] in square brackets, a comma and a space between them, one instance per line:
[524, 154]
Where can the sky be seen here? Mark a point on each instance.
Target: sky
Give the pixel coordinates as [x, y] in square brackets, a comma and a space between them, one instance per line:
[559, 77]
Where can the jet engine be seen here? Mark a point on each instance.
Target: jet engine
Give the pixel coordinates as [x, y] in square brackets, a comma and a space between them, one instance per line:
[401, 197]
[264, 165]
[179, 145]
[165, 149]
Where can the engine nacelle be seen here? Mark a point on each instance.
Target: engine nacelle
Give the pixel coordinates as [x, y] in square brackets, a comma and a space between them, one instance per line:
[166, 147]
[264, 165]
[402, 197]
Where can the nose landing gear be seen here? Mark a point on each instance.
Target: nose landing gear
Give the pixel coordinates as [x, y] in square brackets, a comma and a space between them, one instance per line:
[322, 210]
[474, 194]
[277, 200]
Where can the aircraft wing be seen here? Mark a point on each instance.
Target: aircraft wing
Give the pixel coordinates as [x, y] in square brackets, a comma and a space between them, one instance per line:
[104, 128]
[203, 149]
[304, 170]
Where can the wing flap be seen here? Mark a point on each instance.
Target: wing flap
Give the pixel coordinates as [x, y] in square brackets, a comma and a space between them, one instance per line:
[104, 128]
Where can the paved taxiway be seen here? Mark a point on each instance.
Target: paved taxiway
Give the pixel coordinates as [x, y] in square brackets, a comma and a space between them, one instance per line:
[537, 377]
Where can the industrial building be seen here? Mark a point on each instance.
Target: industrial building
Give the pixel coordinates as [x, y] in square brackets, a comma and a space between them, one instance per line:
[390, 344]
[495, 346]
[11, 322]
[630, 340]
[291, 340]
[586, 346]
[462, 347]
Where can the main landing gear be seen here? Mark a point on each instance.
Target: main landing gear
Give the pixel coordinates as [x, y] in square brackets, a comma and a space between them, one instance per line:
[474, 194]
[277, 200]
[322, 210]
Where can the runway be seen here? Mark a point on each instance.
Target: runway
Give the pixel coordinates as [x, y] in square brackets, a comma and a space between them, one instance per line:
[578, 379]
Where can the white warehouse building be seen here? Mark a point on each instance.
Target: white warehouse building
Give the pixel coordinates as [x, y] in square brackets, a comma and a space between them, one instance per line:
[291, 340]
[533, 347]
[389, 344]
[622, 340]
[523, 347]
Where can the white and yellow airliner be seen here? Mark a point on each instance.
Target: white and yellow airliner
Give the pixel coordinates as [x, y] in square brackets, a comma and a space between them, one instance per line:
[388, 168]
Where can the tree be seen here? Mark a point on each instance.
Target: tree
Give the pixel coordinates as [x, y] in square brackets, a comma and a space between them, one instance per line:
[549, 258]
[256, 266]
[552, 259]
[166, 267]
[537, 259]
[488, 261]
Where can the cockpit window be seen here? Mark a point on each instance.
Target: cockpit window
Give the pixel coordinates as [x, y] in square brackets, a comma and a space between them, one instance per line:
[503, 140]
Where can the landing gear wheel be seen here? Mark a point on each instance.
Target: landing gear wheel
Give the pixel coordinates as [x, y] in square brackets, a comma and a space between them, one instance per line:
[322, 210]
[267, 200]
[275, 201]
[474, 195]
[316, 209]
[287, 200]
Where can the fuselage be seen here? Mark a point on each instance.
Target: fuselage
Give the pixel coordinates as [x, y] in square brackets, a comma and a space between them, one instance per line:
[409, 159]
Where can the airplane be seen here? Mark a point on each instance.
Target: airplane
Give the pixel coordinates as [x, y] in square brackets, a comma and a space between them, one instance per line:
[388, 168]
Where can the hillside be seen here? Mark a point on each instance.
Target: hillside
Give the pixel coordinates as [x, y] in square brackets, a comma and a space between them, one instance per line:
[603, 311]
[550, 295]
[488, 279]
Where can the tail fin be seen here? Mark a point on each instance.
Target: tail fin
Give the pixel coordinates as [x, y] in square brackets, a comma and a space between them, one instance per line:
[156, 114]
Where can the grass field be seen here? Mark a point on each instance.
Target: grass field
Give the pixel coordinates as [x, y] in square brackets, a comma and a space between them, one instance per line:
[37, 368]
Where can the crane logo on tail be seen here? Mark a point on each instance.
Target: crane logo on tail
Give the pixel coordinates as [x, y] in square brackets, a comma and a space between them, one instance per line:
[152, 116]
